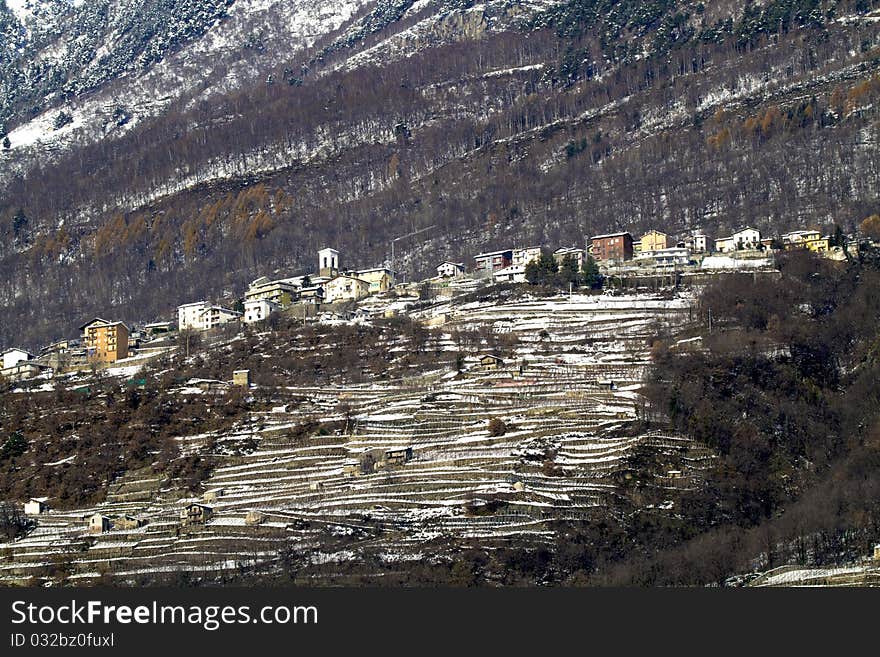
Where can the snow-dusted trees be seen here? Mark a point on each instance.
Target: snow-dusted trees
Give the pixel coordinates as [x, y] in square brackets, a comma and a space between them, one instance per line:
[479, 138]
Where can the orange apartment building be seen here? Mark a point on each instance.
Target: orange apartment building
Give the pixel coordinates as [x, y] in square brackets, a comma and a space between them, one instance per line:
[105, 342]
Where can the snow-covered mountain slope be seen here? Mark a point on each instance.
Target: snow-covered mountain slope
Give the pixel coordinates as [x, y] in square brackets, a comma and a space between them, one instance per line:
[61, 48]
[108, 65]
[253, 138]
[76, 71]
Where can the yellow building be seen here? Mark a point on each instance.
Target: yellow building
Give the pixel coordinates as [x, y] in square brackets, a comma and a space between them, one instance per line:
[491, 362]
[798, 239]
[818, 244]
[105, 342]
[241, 378]
[653, 240]
[345, 288]
[379, 278]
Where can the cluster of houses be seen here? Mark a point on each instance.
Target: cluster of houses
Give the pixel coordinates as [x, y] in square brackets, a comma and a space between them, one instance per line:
[655, 243]
[96, 523]
[103, 342]
[193, 513]
[264, 296]
[654, 249]
[508, 265]
[657, 246]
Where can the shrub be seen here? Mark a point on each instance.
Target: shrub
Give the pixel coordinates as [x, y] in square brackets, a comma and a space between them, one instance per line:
[12, 522]
[14, 446]
[497, 427]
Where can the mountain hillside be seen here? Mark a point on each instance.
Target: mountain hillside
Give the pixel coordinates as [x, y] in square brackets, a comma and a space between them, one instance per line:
[166, 151]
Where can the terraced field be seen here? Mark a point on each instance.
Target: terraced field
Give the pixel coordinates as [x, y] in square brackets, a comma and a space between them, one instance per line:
[867, 574]
[388, 468]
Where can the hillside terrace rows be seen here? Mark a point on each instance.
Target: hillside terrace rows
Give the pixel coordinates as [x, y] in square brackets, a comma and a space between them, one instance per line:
[566, 440]
[859, 575]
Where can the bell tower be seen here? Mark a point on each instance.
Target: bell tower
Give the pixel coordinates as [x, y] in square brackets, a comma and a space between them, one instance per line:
[328, 263]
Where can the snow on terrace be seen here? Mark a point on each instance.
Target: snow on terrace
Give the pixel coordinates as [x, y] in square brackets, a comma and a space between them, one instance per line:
[555, 410]
[69, 459]
[810, 576]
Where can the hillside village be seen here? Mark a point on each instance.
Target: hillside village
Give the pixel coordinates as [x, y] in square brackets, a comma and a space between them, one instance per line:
[334, 291]
[609, 365]
[526, 410]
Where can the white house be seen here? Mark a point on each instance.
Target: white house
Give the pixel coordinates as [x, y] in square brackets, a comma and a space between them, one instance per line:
[258, 310]
[742, 240]
[281, 292]
[188, 315]
[12, 357]
[666, 257]
[346, 288]
[449, 269]
[697, 243]
[214, 316]
[19, 365]
[99, 523]
[579, 255]
[25, 370]
[36, 505]
[747, 238]
[525, 256]
[512, 274]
